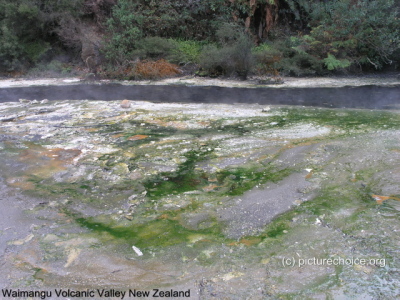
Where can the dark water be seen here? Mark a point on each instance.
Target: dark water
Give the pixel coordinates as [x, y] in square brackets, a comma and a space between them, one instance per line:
[370, 97]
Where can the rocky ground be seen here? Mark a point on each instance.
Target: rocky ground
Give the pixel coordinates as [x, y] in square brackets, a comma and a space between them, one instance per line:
[229, 201]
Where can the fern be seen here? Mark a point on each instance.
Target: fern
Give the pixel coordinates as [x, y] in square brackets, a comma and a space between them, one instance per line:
[332, 63]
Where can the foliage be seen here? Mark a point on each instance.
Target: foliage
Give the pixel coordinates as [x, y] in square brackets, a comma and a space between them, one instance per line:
[267, 58]
[154, 69]
[143, 69]
[345, 31]
[155, 47]
[54, 68]
[296, 58]
[136, 26]
[124, 32]
[215, 60]
[330, 35]
[301, 64]
[185, 51]
[286, 57]
[332, 63]
[17, 31]
[27, 29]
[231, 54]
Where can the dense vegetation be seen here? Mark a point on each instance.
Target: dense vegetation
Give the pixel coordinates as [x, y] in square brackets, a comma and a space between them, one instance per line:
[138, 39]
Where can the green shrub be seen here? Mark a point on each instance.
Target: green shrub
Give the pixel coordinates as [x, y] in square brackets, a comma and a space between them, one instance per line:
[300, 64]
[124, 29]
[231, 54]
[155, 47]
[186, 51]
[332, 63]
[53, 68]
[344, 32]
[27, 29]
[286, 57]
[17, 30]
[216, 61]
[266, 59]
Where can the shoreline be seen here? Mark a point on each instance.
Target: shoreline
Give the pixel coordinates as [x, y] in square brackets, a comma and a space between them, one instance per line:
[253, 82]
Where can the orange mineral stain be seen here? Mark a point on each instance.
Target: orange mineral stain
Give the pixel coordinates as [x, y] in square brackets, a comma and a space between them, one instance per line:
[137, 137]
[44, 162]
[379, 199]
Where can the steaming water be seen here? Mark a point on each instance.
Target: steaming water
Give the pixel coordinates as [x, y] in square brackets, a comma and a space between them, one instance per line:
[369, 97]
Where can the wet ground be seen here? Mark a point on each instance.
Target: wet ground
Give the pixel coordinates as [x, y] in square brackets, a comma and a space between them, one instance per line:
[226, 201]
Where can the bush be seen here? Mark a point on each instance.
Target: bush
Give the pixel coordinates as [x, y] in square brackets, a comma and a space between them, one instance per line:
[142, 69]
[131, 21]
[231, 54]
[267, 59]
[27, 29]
[216, 61]
[344, 32]
[185, 51]
[18, 30]
[154, 69]
[54, 68]
[300, 64]
[124, 30]
[156, 47]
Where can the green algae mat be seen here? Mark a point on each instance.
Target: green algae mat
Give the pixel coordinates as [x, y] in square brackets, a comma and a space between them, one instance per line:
[199, 201]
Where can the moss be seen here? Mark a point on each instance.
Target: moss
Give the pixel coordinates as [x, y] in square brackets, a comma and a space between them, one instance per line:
[239, 180]
[154, 234]
[344, 119]
[238, 129]
[276, 229]
[334, 198]
[39, 273]
[186, 178]
[97, 193]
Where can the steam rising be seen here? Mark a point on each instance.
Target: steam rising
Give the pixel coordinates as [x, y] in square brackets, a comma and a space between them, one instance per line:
[368, 97]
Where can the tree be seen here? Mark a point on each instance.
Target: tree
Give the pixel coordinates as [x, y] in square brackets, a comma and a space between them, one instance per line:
[359, 31]
[27, 29]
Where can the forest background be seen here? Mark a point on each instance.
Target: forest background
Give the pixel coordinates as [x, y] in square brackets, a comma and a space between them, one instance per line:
[149, 39]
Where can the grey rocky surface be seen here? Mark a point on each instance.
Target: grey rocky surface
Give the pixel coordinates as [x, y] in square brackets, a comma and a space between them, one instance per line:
[219, 198]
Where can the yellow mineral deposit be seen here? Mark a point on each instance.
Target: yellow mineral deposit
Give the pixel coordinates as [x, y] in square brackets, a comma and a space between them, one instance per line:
[72, 256]
[231, 275]
[22, 241]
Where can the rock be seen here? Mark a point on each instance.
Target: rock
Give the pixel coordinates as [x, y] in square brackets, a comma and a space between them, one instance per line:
[137, 250]
[126, 104]
[128, 217]
[266, 109]
[90, 77]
